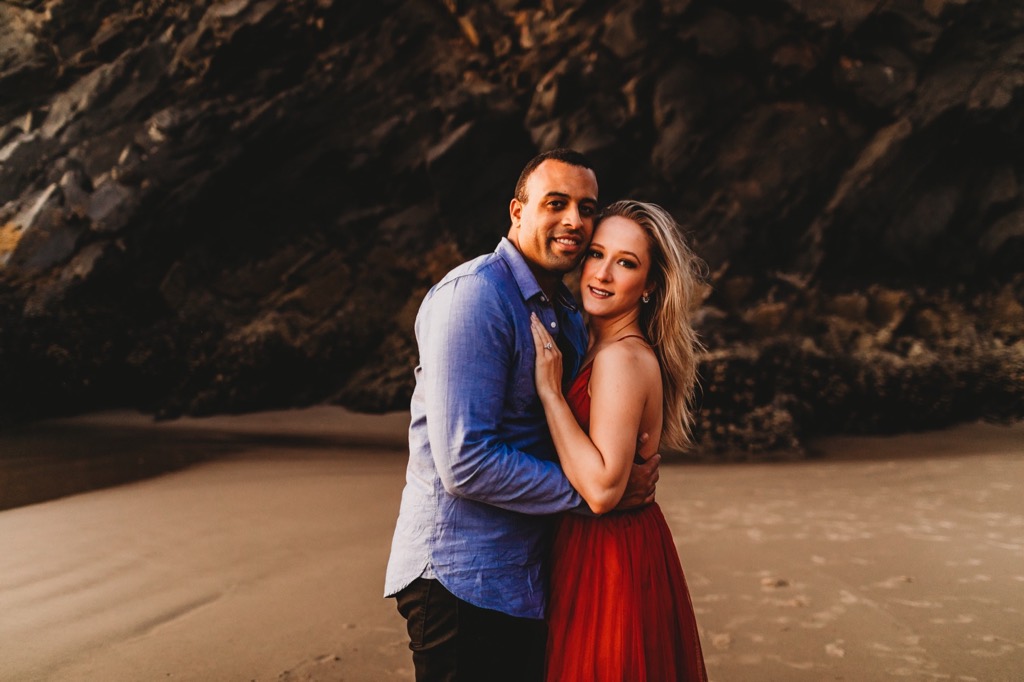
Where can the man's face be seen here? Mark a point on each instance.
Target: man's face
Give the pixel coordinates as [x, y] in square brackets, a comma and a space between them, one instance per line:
[553, 228]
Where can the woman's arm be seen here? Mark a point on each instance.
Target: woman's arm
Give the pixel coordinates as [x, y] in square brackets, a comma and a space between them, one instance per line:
[598, 466]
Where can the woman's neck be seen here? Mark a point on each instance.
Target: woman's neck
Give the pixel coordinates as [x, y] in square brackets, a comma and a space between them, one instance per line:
[605, 330]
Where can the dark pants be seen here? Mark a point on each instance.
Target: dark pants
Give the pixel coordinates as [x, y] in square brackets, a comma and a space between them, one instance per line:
[453, 641]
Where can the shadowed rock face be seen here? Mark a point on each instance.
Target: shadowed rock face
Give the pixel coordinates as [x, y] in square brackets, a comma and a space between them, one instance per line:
[229, 206]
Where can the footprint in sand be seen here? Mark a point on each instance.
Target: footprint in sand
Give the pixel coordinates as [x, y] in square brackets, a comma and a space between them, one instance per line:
[977, 578]
[721, 641]
[835, 649]
[961, 619]
[894, 582]
[919, 604]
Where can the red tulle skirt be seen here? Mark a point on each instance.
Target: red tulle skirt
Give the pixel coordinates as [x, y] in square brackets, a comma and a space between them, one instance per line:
[620, 609]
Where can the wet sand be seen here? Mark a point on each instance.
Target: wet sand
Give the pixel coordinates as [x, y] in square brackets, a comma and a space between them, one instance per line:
[885, 558]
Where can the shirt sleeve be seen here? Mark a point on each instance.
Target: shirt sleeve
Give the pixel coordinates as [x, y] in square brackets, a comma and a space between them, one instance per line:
[467, 346]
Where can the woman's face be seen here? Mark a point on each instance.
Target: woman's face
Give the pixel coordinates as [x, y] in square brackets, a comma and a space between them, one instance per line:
[616, 268]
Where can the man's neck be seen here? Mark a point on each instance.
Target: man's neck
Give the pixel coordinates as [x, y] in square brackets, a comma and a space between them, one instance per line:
[548, 282]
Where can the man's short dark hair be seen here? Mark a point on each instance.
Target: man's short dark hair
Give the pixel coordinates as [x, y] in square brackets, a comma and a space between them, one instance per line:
[569, 156]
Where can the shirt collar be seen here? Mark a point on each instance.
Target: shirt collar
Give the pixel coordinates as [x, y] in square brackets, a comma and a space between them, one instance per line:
[528, 286]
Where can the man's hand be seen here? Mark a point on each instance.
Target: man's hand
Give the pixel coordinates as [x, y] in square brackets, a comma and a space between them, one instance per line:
[643, 479]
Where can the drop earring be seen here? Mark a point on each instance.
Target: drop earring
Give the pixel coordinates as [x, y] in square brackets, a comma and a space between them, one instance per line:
[646, 297]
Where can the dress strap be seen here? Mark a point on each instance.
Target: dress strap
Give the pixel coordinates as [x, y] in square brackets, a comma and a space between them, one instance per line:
[633, 336]
[590, 362]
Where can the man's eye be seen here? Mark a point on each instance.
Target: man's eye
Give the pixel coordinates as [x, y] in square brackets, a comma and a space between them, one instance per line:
[557, 204]
[587, 211]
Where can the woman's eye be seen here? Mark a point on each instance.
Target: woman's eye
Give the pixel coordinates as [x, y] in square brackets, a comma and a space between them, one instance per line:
[627, 264]
[593, 254]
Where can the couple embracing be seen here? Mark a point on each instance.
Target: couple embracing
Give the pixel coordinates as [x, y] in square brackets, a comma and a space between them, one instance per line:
[528, 545]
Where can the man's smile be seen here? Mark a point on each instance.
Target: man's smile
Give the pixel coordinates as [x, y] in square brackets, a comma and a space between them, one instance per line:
[571, 243]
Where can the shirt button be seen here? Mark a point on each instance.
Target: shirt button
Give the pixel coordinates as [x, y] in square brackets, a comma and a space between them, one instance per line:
[543, 298]
[554, 324]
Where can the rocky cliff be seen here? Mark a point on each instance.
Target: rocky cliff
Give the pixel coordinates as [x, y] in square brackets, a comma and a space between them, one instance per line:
[236, 205]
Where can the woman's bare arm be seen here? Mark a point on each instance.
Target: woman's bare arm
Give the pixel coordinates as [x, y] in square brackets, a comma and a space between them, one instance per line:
[598, 466]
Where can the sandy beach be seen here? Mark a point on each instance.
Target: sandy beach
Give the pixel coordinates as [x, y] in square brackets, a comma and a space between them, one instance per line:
[882, 558]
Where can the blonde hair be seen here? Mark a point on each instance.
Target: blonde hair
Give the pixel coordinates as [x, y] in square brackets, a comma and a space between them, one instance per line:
[666, 320]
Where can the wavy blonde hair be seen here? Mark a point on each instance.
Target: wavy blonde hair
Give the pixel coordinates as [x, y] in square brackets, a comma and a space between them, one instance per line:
[676, 273]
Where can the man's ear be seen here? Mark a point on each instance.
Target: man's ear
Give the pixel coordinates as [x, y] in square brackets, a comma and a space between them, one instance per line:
[515, 211]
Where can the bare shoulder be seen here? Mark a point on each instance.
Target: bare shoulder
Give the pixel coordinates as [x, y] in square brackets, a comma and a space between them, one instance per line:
[630, 360]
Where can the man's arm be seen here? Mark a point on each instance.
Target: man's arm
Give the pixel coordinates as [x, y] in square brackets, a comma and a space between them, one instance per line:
[467, 345]
[642, 481]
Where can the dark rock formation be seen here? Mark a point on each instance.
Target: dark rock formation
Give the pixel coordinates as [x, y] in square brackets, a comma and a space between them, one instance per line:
[238, 205]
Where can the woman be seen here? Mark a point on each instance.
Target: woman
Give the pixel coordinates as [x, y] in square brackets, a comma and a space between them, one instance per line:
[620, 609]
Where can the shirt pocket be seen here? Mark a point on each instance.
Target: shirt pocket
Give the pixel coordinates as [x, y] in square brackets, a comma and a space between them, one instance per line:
[523, 398]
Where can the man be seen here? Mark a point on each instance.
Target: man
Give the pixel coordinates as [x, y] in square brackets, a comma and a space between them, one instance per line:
[468, 560]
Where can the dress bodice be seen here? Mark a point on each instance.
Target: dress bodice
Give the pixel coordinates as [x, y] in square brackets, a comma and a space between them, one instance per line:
[578, 397]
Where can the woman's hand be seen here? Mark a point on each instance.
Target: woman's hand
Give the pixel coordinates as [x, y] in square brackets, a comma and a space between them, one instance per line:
[548, 374]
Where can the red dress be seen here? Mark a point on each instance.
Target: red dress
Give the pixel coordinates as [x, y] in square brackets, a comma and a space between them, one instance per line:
[619, 608]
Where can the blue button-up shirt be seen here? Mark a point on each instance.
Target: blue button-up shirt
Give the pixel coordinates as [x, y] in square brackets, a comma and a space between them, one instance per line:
[483, 473]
